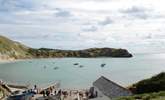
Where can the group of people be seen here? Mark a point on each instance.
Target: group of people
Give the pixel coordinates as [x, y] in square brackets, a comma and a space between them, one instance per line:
[64, 94]
[51, 91]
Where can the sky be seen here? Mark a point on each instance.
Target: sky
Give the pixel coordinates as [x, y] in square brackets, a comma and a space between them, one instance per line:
[136, 25]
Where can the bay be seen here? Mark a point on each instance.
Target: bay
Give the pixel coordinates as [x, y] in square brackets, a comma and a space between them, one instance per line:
[124, 71]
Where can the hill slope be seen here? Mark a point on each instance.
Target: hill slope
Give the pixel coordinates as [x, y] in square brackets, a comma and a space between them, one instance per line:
[14, 50]
[149, 89]
[86, 53]
[153, 84]
[146, 96]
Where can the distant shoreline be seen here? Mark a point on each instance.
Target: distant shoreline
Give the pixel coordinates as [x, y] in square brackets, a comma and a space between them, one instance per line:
[7, 60]
[10, 60]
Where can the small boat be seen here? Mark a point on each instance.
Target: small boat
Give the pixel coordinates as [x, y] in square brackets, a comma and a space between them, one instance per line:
[75, 63]
[19, 95]
[55, 68]
[81, 66]
[44, 67]
[30, 61]
[102, 65]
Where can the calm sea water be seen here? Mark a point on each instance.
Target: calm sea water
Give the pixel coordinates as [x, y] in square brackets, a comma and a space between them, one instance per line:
[124, 71]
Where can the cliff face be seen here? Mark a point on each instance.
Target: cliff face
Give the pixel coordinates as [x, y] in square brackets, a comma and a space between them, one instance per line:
[14, 50]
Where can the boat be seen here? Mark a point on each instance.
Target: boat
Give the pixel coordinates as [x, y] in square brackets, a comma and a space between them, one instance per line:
[30, 61]
[44, 67]
[55, 85]
[102, 65]
[20, 95]
[81, 66]
[76, 64]
[55, 68]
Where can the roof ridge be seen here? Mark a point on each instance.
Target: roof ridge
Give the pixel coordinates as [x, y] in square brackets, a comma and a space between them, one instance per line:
[115, 83]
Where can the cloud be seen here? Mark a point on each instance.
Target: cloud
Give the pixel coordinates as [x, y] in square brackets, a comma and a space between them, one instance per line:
[134, 9]
[15, 5]
[90, 29]
[136, 12]
[62, 13]
[139, 12]
[106, 21]
[98, 23]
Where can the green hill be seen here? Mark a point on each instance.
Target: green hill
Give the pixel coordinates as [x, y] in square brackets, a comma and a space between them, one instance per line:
[149, 89]
[86, 53]
[14, 50]
[153, 84]
[146, 96]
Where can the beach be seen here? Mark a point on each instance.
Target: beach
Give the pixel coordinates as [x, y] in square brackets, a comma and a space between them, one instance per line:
[11, 60]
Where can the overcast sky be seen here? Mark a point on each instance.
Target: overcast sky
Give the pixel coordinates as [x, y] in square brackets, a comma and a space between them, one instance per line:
[78, 24]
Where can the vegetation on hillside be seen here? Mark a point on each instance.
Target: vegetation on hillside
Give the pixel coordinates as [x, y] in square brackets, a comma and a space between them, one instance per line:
[93, 52]
[148, 89]
[12, 49]
[153, 84]
[146, 96]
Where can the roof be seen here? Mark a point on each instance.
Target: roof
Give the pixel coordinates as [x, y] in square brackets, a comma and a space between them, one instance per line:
[110, 88]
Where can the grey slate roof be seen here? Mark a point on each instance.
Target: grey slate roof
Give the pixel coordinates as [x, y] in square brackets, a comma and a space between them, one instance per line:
[110, 89]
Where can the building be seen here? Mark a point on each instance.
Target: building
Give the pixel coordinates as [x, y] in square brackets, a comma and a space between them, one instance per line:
[108, 89]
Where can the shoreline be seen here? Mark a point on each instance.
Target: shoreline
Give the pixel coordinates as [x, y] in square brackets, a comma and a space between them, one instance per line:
[2, 61]
[11, 60]
[7, 60]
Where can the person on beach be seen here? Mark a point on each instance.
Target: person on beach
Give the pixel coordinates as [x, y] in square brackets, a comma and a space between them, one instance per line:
[80, 94]
[47, 92]
[1, 82]
[87, 93]
[70, 92]
[51, 90]
[96, 94]
[44, 93]
[55, 92]
[35, 90]
[35, 86]
[59, 92]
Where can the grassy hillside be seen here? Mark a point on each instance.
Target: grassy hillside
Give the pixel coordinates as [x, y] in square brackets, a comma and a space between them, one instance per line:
[11, 49]
[86, 53]
[153, 84]
[146, 96]
[148, 89]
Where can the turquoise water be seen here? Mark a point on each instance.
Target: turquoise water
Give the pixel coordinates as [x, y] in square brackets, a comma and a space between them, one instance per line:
[124, 71]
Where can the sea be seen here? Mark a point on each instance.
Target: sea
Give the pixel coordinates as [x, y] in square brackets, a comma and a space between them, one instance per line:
[80, 73]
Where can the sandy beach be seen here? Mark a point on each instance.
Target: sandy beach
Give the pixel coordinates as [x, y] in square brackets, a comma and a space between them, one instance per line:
[9, 60]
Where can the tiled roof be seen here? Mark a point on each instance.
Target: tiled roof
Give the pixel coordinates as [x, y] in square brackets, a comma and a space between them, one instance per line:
[110, 88]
